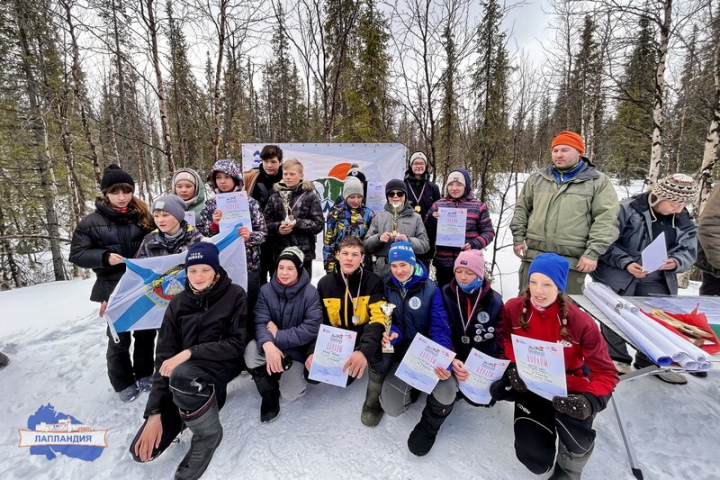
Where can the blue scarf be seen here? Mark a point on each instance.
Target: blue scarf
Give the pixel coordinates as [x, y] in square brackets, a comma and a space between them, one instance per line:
[471, 287]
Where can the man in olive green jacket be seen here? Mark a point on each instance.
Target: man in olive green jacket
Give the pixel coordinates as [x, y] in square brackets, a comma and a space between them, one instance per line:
[570, 209]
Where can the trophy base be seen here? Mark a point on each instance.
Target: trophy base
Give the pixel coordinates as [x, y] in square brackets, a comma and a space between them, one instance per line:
[388, 349]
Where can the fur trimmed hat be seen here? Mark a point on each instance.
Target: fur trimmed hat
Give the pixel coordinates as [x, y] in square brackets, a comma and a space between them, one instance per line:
[677, 187]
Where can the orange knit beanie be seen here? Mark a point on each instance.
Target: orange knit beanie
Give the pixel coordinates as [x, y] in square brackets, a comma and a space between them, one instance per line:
[571, 139]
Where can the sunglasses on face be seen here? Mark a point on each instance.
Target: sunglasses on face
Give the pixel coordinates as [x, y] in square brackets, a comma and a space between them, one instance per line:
[396, 194]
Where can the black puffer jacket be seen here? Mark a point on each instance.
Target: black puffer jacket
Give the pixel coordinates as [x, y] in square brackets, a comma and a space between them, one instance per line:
[306, 209]
[212, 325]
[99, 234]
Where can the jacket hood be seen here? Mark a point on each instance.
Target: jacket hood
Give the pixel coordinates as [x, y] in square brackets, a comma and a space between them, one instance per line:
[586, 172]
[227, 166]
[468, 195]
[420, 274]
[293, 290]
[211, 296]
[406, 210]
[199, 196]
[410, 176]
[305, 186]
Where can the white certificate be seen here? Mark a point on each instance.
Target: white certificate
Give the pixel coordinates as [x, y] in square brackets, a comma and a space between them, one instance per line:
[376, 200]
[418, 364]
[235, 209]
[484, 370]
[654, 254]
[541, 366]
[451, 227]
[190, 217]
[332, 349]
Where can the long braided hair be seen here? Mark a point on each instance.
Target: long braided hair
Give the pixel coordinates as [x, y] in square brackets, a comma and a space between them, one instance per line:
[562, 303]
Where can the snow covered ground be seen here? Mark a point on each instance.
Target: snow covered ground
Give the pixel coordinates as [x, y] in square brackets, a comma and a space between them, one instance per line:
[57, 346]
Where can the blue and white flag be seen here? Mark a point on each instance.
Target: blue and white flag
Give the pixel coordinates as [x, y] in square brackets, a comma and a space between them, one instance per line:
[145, 290]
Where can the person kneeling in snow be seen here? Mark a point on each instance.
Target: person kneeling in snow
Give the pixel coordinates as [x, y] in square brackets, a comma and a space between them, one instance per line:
[419, 309]
[545, 313]
[199, 352]
[288, 315]
[474, 313]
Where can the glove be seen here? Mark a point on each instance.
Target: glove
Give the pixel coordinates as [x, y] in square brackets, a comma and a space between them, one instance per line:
[501, 390]
[513, 377]
[575, 406]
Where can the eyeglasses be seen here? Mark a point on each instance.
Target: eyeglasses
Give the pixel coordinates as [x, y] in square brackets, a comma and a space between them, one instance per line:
[396, 193]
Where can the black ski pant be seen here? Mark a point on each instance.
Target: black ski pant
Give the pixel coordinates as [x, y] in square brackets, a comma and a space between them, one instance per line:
[191, 385]
[537, 426]
[123, 370]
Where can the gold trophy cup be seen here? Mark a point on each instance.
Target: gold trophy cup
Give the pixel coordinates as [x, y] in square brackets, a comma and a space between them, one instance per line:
[396, 214]
[387, 309]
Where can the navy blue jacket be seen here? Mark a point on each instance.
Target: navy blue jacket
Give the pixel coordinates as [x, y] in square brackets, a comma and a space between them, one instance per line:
[487, 324]
[419, 310]
[297, 312]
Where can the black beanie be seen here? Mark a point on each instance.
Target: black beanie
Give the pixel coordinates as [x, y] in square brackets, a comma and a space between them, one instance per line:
[112, 175]
[395, 184]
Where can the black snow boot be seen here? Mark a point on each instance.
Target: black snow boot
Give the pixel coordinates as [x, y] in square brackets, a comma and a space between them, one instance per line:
[422, 438]
[372, 412]
[268, 387]
[569, 466]
[204, 423]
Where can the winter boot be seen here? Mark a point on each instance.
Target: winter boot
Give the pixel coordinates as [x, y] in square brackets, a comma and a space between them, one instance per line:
[569, 466]
[129, 394]
[145, 384]
[372, 412]
[422, 438]
[268, 387]
[204, 423]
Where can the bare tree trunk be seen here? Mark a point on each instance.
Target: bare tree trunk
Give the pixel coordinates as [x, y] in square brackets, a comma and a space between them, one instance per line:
[713, 137]
[656, 160]
[44, 163]
[78, 91]
[152, 26]
[218, 76]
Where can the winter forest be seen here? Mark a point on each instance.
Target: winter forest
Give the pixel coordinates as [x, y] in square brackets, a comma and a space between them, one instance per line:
[157, 85]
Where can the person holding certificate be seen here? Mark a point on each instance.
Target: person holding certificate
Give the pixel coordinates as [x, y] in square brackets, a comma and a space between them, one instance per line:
[352, 297]
[544, 313]
[643, 219]
[225, 176]
[288, 314]
[419, 309]
[479, 231]
[474, 312]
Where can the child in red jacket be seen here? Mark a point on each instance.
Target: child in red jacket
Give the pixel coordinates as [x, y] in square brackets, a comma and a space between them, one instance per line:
[545, 313]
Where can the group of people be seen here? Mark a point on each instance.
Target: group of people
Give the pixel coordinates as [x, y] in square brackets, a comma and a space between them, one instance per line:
[565, 225]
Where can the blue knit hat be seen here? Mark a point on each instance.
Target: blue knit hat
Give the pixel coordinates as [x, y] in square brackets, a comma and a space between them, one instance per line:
[402, 252]
[203, 253]
[552, 265]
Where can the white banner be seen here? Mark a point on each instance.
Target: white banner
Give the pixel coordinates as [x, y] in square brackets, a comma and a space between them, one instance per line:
[327, 164]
